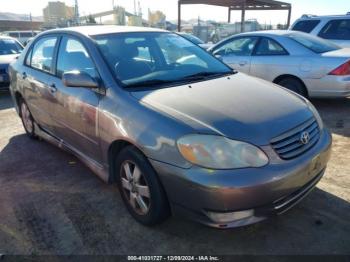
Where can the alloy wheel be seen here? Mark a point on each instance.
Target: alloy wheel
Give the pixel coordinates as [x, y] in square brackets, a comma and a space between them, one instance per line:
[135, 187]
[27, 118]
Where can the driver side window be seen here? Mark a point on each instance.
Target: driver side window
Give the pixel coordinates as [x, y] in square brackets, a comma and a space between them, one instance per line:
[73, 56]
[243, 46]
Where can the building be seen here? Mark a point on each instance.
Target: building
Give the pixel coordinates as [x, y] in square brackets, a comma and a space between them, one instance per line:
[56, 13]
[10, 25]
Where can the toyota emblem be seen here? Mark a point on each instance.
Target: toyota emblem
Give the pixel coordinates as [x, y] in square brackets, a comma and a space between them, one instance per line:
[305, 138]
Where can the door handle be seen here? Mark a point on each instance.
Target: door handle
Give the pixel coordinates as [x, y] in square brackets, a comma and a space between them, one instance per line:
[24, 75]
[242, 63]
[53, 88]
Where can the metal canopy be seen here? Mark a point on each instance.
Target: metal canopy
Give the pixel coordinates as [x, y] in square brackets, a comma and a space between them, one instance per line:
[241, 5]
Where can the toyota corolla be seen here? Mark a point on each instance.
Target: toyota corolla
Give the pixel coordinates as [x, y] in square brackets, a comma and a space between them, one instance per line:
[176, 129]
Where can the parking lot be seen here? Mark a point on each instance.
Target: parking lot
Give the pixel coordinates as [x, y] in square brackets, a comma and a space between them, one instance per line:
[50, 203]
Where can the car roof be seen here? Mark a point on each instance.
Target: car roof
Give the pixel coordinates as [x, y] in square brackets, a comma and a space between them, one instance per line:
[315, 17]
[265, 33]
[104, 29]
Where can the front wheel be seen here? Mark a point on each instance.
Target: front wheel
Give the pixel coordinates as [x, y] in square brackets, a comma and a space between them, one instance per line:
[140, 188]
[27, 120]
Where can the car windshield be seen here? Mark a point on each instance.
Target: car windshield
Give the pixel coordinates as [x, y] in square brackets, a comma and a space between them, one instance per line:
[315, 44]
[193, 39]
[9, 47]
[144, 59]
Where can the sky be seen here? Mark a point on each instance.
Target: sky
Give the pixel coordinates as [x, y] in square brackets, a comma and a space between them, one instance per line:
[169, 7]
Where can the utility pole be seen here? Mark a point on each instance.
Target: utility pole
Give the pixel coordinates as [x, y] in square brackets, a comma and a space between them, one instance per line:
[135, 10]
[76, 12]
[31, 23]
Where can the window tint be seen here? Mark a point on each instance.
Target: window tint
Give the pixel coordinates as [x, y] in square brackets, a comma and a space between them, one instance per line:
[305, 26]
[270, 47]
[15, 35]
[239, 47]
[43, 53]
[9, 47]
[72, 56]
[314, 43]
[336, 29]
[26, 34]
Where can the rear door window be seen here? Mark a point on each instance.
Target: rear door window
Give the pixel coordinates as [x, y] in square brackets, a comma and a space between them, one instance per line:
[43, 52]
[268, 46]
[336, 29]
[305, 26]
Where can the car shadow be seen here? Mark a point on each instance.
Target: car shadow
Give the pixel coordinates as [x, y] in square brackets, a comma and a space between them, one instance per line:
[5, 100]
[317, 225]
[335, 114]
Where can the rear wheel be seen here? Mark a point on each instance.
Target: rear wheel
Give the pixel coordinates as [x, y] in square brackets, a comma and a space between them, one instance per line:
[140, 188]
[27, 120]
[294, 85]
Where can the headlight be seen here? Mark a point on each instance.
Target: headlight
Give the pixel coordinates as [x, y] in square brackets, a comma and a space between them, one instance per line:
[316, 114]
[217, 152]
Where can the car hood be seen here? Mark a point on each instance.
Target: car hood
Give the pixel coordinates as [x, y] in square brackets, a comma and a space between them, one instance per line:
[7, 59]
[239, 107]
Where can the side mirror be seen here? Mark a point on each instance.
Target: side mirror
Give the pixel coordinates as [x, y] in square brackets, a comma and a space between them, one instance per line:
[78, 79]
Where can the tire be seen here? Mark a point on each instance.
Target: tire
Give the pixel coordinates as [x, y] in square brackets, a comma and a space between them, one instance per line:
[132, 186]
[294, 85]
[27, 120]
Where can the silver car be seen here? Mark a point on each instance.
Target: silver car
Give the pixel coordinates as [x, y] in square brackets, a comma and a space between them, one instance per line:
[176, 129]
[303, 63]
[10, 48]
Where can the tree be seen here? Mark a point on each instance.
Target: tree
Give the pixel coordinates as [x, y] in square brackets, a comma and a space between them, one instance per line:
[91, 20]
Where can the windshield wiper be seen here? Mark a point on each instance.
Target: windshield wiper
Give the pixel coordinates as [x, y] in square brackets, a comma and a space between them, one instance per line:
[150, 82]
[158, 82]
[203, 75]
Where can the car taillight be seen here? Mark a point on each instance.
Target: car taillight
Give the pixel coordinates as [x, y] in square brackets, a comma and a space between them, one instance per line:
[342, 70]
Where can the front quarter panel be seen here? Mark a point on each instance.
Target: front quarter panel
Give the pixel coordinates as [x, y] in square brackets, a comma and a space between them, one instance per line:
[122, 117]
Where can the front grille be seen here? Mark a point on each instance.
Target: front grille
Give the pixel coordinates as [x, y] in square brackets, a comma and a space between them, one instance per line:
[289, 145]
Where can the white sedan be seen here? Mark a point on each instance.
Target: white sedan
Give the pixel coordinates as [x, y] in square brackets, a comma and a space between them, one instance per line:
[305, 64]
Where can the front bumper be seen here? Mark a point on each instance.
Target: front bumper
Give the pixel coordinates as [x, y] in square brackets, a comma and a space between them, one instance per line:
[267, 191]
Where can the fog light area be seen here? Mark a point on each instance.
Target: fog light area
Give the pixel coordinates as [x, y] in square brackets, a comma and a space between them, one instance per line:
[231, 216]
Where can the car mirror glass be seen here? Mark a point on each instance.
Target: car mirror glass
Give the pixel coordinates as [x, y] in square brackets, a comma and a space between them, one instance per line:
[79, 79]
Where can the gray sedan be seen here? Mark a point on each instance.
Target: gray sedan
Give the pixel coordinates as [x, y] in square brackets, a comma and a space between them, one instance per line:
[306, 64]
[176, 129]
